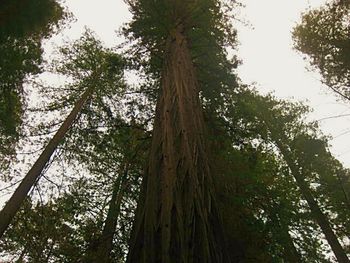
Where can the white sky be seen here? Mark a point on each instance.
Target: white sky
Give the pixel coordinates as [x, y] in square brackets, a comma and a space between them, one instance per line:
[265, 48]
[269, 60]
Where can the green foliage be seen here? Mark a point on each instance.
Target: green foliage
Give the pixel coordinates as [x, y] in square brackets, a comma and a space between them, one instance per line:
[18, 60]
[265, 217]
[29, 18]
[86, 64]
[323, 35]
[45, 231]
[282, 124]
[209, 33]
[263, 210]
[101, 141]
[23, 25]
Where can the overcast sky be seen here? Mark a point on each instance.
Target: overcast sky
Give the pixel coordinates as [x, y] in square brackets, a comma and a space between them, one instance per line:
[269, 60]
[265, 48]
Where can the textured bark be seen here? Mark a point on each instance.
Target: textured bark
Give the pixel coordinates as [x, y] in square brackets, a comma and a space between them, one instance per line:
[177, 219]
[317, 213]
[12, 206]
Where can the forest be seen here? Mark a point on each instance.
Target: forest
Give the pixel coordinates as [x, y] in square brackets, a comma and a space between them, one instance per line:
[155, 151]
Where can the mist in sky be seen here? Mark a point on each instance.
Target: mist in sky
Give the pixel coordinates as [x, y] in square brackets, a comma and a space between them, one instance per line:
[265, 49]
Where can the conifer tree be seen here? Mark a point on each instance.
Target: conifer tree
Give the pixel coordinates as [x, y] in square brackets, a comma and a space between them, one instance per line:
[177, 219]
[94, 76]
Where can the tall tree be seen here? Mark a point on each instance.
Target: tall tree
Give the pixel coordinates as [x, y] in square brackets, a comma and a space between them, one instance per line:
[14, 203]
[323, 35]
[319, 216]
[127, 152]
[177, 219]
[97, 229]
[284, 134]
[23, 26]
[97, 75]
[100, 249]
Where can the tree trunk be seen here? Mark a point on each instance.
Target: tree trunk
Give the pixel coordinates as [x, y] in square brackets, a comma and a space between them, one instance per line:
[319, 216]
[23, 253]
[12, 206]
[101, 252]
[177, 218]
[290, 252]
[345, 192]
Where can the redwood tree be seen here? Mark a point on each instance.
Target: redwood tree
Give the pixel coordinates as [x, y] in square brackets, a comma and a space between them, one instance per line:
[96, 72]
[177, 218]
[323, 37]
[280, 123]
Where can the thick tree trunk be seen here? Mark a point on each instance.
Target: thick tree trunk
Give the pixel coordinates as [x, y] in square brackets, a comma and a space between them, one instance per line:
[102, 250]
[177, 218]
[319, 216]
[12, 206]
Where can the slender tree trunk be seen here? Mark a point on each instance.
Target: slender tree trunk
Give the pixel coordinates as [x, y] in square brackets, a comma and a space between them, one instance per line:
[12, 206]
[23, 253]
[321, 219]
[177, 218]
[290, 252]
[345, 193]
[319, 216]
[101, 252]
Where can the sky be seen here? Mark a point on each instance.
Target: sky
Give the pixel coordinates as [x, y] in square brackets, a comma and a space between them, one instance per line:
[269, 60]
[265, 49]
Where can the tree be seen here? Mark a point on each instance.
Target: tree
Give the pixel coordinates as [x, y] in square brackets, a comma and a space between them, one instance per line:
[285, 134]
[262, 213]
[231, 176]
[323, 35]
[38, 231]
[177, 219]
[95, 75]
[23, 25]
[126, 151]
[319, 216]
[16, 200]
[97, 206]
